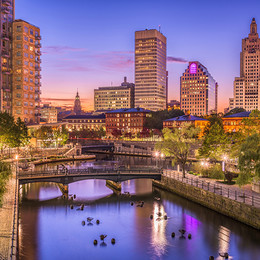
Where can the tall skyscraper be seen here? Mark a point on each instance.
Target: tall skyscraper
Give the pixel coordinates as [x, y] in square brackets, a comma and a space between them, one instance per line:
[26, 72]
[7, 17]
[150, 70]
[198, 90]
[247, 86]
[114, 97]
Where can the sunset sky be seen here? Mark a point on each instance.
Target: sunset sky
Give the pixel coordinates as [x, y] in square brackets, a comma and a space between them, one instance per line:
[89, 44]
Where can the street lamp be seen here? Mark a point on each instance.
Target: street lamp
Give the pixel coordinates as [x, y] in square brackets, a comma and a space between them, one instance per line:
[156, 156]
[223, 162]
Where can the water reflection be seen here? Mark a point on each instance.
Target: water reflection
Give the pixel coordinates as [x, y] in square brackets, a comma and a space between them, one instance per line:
[49, 229]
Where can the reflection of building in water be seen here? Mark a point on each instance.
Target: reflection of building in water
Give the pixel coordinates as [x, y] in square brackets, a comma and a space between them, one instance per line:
[142, 186]
[224, 239]
[158, 236]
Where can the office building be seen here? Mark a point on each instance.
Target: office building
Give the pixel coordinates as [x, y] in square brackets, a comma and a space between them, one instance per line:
[49, 114]
[247, 86]
[150, 70]
[198, 91]
[117, 97]
[26, 85]
[7, 17]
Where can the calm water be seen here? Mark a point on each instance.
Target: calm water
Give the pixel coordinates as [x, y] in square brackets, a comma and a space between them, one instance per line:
[49, 229]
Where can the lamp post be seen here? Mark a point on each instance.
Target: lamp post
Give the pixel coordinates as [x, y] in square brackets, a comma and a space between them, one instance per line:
[223, 163]
[156, 158]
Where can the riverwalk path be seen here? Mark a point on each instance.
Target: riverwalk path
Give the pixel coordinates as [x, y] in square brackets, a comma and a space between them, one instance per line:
[244, 195]
[8, 220]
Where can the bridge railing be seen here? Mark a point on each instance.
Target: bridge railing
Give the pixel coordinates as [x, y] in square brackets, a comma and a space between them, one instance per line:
[70, 172]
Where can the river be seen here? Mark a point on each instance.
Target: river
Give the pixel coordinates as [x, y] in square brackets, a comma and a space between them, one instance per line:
[50, 229]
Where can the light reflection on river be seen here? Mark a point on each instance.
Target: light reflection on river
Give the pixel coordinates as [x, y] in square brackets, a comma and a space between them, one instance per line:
[49, 229]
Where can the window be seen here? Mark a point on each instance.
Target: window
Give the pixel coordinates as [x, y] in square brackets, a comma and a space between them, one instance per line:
[26, 46]
[31, 64]
[25, 95]
[31, 56]
[18, 37]
[26, 38]
[31, 40]
[18, 95]
[25, 87]
[19, 28]
[26, 29]
[31, 31]
[18, 53]
[18, 62]
[26, 55]
[18, 86]
[31, 48]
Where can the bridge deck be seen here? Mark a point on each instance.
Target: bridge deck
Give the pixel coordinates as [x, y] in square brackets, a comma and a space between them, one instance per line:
[74, 175]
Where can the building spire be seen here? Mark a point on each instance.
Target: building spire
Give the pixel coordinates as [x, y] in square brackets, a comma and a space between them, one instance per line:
[253, 27]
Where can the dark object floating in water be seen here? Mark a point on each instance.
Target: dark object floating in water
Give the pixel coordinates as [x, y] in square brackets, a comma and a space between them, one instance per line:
[159, 214]
[95, 242]
[97, 222]
[71, 207]
[74, 196]
[151, 216]
[132, 203]
[189, 236]
[113, 241]
[182, 231]
[225, 255]
[83, 223]
[165, 217]
[89, 219]
[173, 234]
[211, 257]
[102, 237]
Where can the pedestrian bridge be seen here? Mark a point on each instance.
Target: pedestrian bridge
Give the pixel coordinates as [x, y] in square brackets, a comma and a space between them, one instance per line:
[74, 175]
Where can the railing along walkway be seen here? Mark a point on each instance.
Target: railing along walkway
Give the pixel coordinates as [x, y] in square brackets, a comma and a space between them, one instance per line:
[231, 192]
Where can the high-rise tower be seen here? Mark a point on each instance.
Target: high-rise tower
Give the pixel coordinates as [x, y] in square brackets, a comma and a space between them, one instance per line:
[198, 90]
[26, 71]
[150, 70]
[7, 17]
[247, 86]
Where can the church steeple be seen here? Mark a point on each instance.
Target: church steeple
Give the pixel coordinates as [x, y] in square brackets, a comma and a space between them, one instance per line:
[253, 28]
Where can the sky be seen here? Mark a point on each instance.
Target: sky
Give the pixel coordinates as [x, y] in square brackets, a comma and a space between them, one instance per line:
[90, 44]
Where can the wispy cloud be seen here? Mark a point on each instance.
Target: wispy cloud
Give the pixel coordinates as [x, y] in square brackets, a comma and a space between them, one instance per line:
[171, 59]
[54, 49]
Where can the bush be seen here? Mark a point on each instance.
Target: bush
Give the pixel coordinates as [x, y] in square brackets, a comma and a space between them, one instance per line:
[215, 172]
[5, 172]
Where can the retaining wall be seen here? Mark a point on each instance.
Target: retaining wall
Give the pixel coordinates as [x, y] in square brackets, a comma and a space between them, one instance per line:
[234, 209]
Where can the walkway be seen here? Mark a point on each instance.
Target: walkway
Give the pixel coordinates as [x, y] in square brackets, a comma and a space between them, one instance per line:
[7, 221]
[230, 191]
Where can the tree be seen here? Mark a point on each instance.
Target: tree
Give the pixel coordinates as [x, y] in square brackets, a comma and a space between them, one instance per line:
[117, 133]
[155, 121]
[212, 120]
[177, 143]
[215, 143]
[249, 159]
[60, 136]
[45, 134]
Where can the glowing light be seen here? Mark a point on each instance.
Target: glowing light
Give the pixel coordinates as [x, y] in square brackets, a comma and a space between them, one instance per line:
[156, 154]
[193, 68]
[162, 155]
[16, 157]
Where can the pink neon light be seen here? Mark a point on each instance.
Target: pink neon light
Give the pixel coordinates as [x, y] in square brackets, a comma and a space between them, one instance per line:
[193, 68]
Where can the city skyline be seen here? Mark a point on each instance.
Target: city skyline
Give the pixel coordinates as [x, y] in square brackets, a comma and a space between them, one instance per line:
[102, 50]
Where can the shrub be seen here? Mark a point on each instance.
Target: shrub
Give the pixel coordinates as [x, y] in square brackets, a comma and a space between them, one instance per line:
[215, 172]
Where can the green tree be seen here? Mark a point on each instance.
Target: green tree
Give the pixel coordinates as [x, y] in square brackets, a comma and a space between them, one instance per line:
[45, 134]
[215, 118]
[177, 143]
[155, 121]
[249, 159]
[215, 143]
[60, 136]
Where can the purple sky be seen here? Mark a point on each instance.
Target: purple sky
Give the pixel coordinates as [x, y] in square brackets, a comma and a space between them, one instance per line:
[89, 44]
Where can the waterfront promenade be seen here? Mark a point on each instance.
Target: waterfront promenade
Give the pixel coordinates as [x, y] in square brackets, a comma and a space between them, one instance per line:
[243, 195]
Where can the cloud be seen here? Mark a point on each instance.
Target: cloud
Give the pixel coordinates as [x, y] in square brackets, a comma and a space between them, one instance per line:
[54, 49]
[69, 100]
[171, 59]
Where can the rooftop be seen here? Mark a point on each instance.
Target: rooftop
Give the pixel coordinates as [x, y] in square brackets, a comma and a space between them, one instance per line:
[129, 110]
[241, 114]
[186, 118]
[87, 116]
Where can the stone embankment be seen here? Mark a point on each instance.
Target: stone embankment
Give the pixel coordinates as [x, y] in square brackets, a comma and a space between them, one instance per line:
[9, 220]
[242, 212]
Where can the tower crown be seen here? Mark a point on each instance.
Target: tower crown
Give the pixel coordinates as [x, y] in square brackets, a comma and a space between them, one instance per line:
[253, 28]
